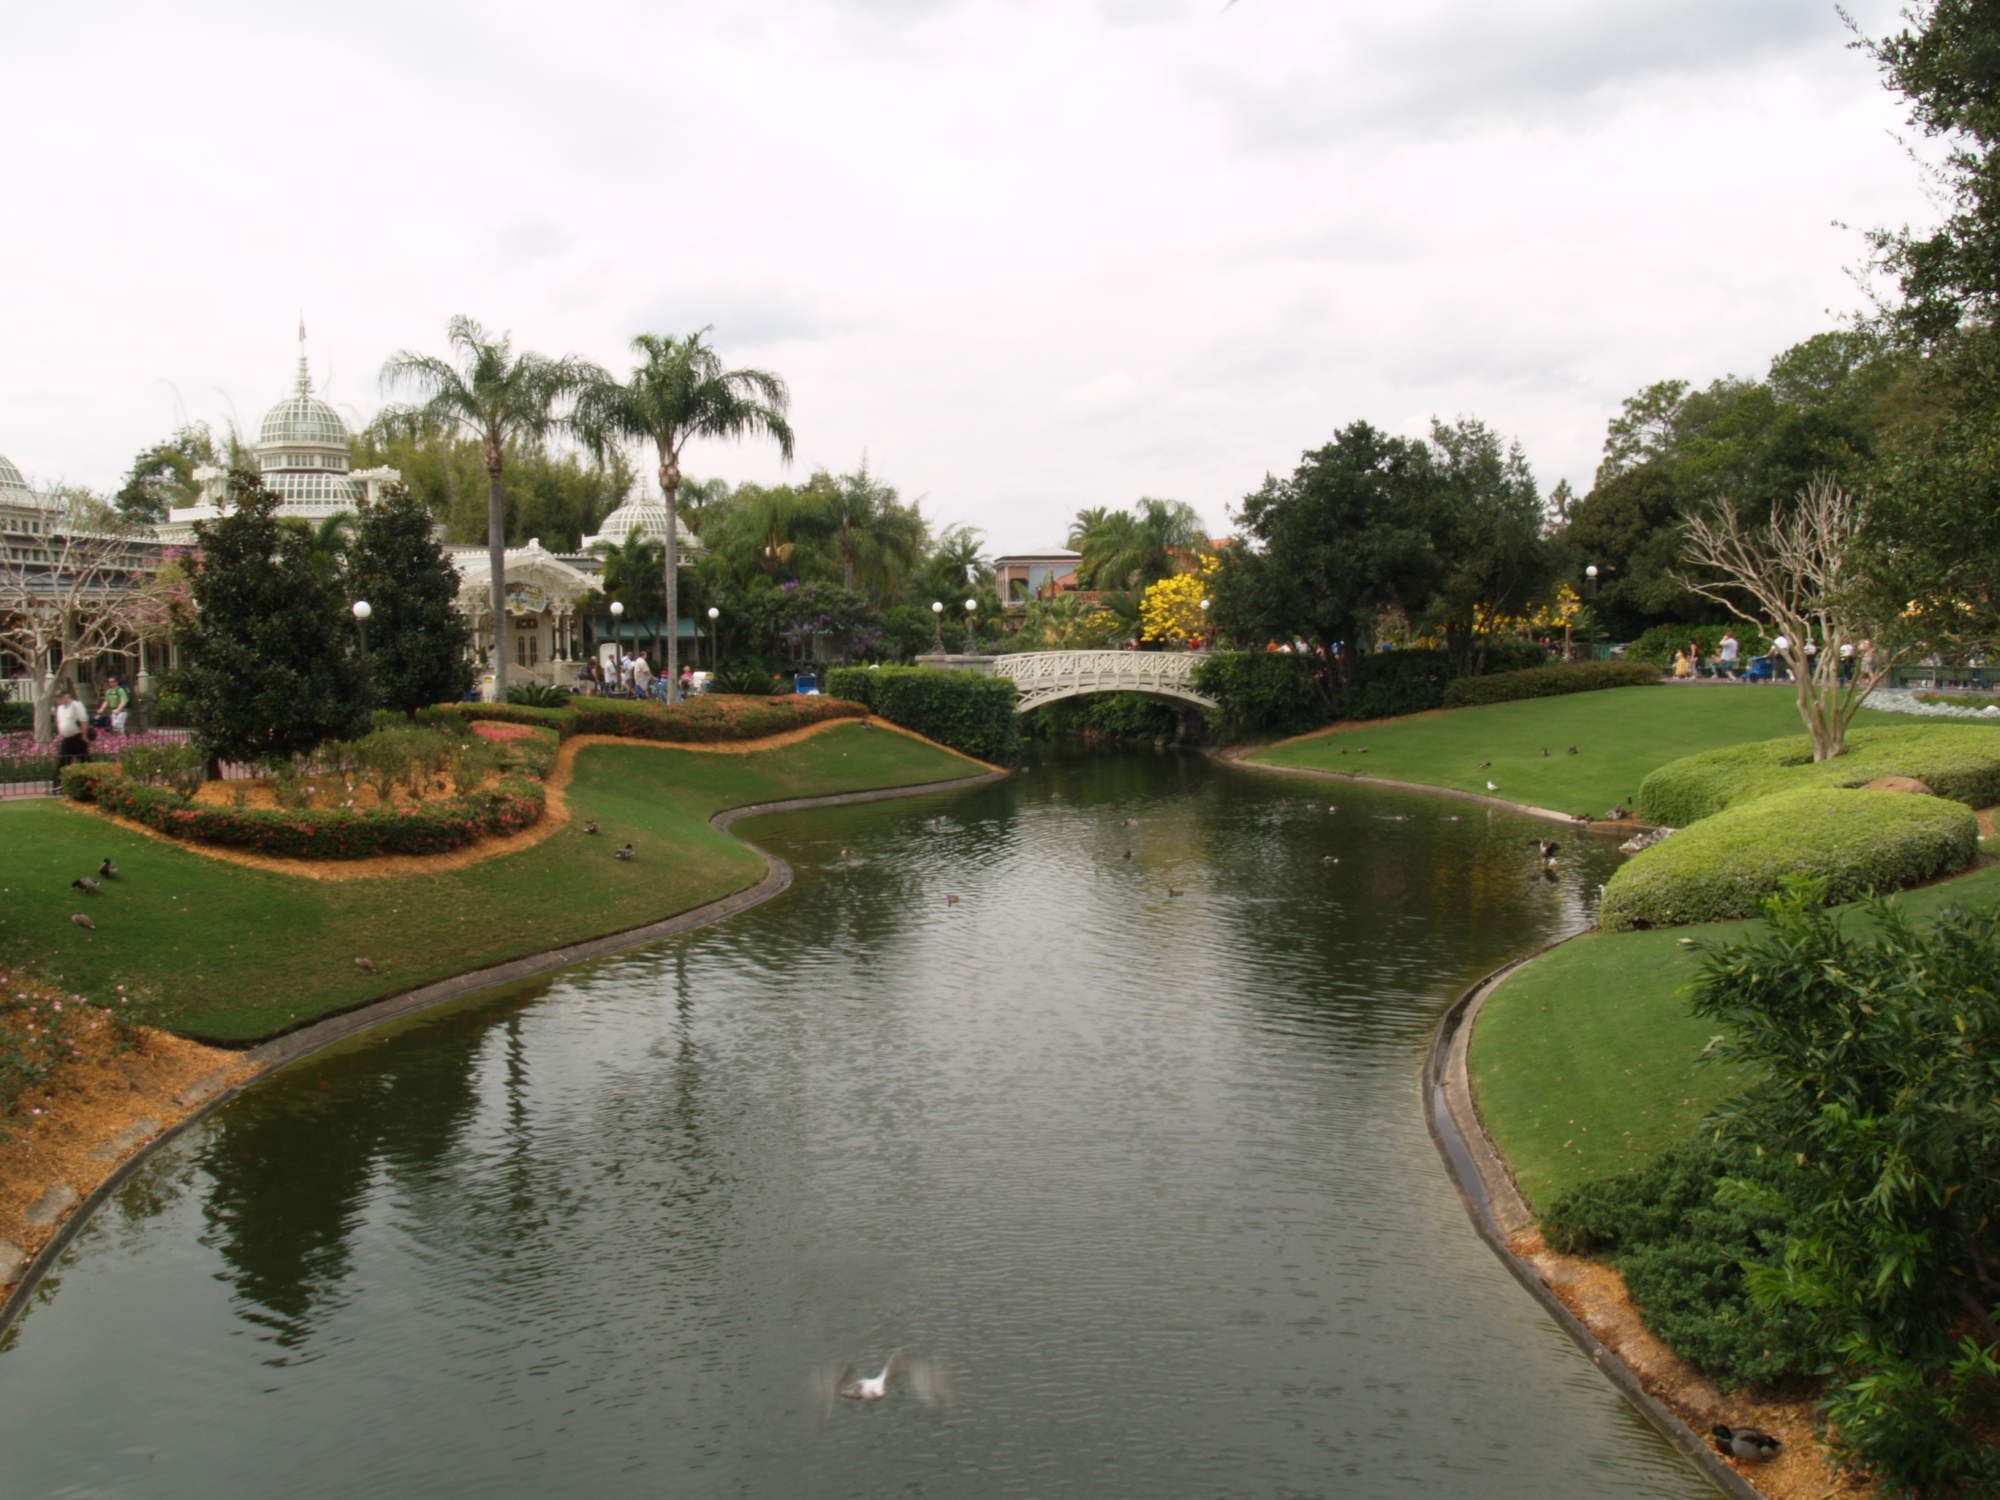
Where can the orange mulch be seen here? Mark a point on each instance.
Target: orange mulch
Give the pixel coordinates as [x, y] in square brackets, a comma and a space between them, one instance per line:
[119, 1087]
[1596, 1294]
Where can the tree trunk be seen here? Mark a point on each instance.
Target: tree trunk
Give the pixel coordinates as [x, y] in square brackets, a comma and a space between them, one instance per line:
[670, 492]
[496, 556]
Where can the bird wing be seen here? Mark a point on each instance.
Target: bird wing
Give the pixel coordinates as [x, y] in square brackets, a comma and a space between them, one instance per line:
[926, 1377]
[823, 1388]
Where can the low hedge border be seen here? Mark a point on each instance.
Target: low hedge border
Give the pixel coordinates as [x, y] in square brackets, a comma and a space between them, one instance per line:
[514, 802]
[1548, 682]
[705, 720]
[1859, 843]
[1960, 762]
[965, 711]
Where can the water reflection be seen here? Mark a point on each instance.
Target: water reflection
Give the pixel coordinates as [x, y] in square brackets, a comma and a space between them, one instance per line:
[1146, 1170]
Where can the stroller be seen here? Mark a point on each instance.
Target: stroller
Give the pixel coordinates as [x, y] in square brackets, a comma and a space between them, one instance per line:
[1760, 670]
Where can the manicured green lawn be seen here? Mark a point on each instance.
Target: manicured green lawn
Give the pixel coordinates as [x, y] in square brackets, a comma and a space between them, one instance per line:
[1621, 734]
[230, 954]
[1584, 1059]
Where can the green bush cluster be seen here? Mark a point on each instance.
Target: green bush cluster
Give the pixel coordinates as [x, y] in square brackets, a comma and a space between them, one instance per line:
[1727, 865]
[1278, 693]
[537, 694]
[1105, 716]
[970, 713]
[1682, 1232]
[1548, 682]
[744, 681]
[1957, 761]
[1874, 1046]
[180, 767]
[16, 718]
[1261, 693]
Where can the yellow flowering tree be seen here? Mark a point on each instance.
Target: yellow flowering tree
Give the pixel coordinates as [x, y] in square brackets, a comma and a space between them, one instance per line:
[1171, 609]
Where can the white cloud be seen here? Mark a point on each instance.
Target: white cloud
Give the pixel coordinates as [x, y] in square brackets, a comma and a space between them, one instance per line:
[1029, 255]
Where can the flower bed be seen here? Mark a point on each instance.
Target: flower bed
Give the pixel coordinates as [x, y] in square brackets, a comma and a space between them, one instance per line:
[511, 804]
[23, 758]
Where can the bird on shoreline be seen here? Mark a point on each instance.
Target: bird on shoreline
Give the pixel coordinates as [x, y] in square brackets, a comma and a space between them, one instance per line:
[1744, 1442]
[107, 870]
[1545, 750]
[589, 826]
[85, 884]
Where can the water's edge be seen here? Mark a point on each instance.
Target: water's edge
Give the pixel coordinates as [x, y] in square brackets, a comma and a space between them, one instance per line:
[294, 1046]
[1496, 1208]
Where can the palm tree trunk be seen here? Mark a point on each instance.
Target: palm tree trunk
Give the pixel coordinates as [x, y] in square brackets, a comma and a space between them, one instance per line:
[670, 492]
[496, 556]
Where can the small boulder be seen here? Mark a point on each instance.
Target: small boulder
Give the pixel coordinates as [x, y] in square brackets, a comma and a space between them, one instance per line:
[52, 1205]
[1898, 784]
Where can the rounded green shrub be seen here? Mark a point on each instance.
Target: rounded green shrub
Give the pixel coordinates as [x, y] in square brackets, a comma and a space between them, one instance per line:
[1956, 761]
[1548, 682]
[1724, 866]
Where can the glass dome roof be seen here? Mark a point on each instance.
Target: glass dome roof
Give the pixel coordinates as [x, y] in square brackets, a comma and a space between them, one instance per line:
[10, 477]
[302, 418]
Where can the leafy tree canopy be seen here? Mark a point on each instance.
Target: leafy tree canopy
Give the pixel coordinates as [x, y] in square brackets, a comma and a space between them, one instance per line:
[418, 641]
[162, 476]
[270, 661]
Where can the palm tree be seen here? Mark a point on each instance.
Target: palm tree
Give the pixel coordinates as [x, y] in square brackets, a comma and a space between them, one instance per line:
[680, 391]
[493, 396]
[875, 537]
[956, 563]
[1127, 549]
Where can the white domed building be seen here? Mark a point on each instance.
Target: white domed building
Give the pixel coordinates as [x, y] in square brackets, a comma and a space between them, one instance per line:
[303, 455]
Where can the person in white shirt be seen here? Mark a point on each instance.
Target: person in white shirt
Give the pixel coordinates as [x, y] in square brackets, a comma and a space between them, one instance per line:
[642, 676]
[72, 731]
[1726, 654]
[1780, 665]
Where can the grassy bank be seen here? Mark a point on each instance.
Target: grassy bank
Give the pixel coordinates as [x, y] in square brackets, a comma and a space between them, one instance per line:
[1583, 1062]
[1621, 735]
[225, 953]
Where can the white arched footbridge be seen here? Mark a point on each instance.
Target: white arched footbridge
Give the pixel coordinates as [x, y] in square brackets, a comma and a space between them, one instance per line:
[1050, 676]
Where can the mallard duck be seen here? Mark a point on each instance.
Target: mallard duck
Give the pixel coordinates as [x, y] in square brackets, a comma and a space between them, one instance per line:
[1484, 764]
[82, 920]
[1545, 750]
[589, 827]
[365, 966]
[85, 884]
[1172, 892]
[1744, 1442]
[625, 853]
[951, 900]
[107, 870]
[1570, 751]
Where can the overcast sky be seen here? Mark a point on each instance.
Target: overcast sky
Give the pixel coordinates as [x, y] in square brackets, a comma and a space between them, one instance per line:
[1027, 256]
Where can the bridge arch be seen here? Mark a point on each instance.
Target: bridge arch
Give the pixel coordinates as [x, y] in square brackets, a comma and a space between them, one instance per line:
[1050, 676]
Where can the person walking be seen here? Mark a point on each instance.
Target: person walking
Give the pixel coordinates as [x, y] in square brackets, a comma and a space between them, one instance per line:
[642, 677]
[115, 707]
[1846, 662]
[72, 734]
[1727, 654]
[1780, 667]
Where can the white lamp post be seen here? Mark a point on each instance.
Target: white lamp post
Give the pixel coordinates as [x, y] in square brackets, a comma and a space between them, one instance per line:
[618, 629]
[362, 611]
[1590, 590]
[714, 614]
[1204, 623]
[971, 646]
[937, 610]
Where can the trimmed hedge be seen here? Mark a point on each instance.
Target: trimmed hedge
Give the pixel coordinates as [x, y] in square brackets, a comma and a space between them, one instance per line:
[708, 719]
[970, 713]
[1724, 866]
[1279, 693]
[1548, 682]
[1263, 692]
[1960, 762]
[509, 805]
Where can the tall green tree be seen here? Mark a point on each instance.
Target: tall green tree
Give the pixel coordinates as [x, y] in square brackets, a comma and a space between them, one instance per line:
[419, 642]
[876, 539]
[270, 660]
[679, 391]
[1945, 63]
[496, 397]
[1487, 528]
[163, 475]
[1325, 550]
[557, 495]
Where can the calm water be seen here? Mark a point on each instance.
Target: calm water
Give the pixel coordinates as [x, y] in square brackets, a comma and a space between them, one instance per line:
[1148, 1172]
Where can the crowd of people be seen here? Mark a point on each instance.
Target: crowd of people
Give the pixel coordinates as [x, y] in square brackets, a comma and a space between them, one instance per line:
[1775, 666]
[630, 674]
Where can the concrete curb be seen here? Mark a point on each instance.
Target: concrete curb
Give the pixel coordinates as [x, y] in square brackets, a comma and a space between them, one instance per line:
[1498, 1211]
[291, 1047]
